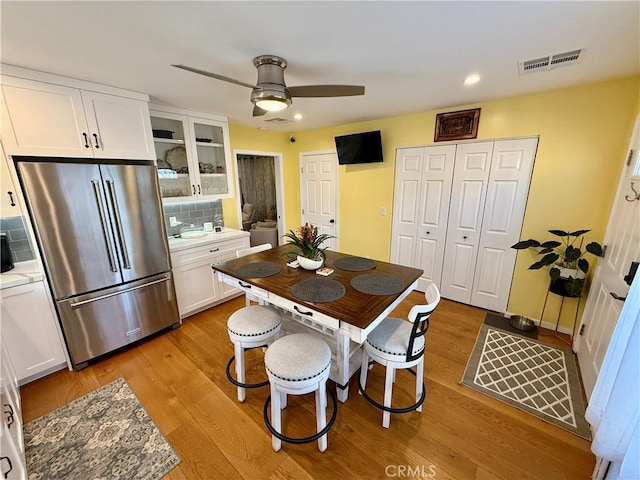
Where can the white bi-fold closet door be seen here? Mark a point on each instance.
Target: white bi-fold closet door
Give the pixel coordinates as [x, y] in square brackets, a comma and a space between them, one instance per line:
[457, 211]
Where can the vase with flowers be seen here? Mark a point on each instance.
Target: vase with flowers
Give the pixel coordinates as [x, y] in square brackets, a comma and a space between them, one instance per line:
[307, 244]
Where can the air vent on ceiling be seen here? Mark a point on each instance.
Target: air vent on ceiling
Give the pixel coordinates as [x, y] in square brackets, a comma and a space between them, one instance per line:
[278, 120]
[544, 64]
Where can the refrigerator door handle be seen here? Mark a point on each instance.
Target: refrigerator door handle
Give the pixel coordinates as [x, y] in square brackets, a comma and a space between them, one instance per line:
[116, 212]
[113, 294]
[103, 223]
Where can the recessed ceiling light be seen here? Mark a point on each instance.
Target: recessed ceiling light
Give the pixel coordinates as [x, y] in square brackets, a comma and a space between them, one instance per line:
[298, 116]
[472, 79]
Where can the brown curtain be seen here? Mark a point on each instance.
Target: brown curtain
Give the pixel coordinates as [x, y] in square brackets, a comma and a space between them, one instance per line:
[258, 184]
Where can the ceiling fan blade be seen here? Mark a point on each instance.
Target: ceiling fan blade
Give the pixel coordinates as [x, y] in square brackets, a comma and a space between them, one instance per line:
[214, 75]
[258, 112]
[326, 90]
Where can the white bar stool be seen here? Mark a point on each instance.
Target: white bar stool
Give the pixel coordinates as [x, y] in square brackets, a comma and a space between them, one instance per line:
[398, 344]
[298, 364]
[250, 327]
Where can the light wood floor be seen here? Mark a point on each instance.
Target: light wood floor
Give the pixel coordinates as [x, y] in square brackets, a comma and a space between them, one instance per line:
[461, 434]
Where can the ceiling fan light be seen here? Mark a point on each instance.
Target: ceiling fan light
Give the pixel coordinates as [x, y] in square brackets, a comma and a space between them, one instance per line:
[270, 98]
[272, 105]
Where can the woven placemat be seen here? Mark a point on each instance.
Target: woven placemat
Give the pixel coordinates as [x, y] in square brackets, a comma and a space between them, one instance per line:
[259, 269]
[377, 284]
[355, 264]
[318, 290]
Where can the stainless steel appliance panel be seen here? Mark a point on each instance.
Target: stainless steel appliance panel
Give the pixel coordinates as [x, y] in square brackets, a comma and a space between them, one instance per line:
[135, 209]
[69, 210]
[104, 321]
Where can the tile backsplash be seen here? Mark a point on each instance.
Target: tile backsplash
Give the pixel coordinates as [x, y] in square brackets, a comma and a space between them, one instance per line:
[195, 213]
[188, 213]
[21, 248]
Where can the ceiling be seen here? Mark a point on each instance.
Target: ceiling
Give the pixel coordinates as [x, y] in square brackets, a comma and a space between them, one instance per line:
[410, 56]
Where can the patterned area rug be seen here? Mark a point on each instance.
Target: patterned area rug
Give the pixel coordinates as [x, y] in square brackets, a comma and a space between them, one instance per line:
[529, 375]
[106, 434]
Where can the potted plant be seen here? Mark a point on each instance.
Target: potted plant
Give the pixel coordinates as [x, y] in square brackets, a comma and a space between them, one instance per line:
[569, 265]
[307, 244]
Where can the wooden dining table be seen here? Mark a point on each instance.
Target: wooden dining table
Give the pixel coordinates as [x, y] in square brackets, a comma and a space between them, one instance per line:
[343, 322]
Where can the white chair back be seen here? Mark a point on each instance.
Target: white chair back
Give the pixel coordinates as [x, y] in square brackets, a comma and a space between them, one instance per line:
[432, 296]
[258, 248]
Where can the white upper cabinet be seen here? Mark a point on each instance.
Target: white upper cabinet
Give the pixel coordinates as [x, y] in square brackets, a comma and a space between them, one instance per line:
[9, 203]
[48, 119]
[192, 152]
[120, 127]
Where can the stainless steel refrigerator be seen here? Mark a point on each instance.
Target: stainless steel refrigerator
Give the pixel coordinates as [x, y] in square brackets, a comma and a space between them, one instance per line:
[100, 230]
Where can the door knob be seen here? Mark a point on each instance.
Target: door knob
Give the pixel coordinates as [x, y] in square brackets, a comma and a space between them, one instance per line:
[332, 221]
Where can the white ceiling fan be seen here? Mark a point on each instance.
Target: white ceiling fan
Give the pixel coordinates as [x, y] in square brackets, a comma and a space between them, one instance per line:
[270, 93]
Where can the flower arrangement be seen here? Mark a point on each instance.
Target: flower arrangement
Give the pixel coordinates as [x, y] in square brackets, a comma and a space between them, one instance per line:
[307, 241]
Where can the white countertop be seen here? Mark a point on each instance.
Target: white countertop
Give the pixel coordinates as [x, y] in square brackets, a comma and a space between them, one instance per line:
[176, 244]
[24, 272]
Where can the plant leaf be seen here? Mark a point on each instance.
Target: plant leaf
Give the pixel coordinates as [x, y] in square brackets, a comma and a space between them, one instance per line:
[577, 233]
[583, 265]
[548, 259]
[524, 244]
[551, 244]
[595, 248]
[554, 273]
[571, 254]
[559, 233]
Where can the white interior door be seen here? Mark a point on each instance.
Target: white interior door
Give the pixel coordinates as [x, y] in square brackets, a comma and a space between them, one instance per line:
[406, 207]
[318, 179]
[623, 247]
[421, 209]
[507, 192]
[470, 178]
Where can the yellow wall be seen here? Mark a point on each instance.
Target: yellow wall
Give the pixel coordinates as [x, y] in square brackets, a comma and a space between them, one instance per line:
[584, 133]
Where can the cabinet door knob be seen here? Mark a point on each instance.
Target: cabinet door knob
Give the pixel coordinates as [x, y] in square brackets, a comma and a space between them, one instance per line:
[464, 238]
[13, 204]
[95, 136]
[86, 140]
[428, 232]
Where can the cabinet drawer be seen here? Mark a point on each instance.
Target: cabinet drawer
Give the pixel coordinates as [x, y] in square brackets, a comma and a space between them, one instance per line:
[207, 251]
[303, 312]
[245, 287]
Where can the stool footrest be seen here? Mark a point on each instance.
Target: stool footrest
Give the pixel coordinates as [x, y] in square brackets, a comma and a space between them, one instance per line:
[408, 409]
[301, 440]
[240, 384]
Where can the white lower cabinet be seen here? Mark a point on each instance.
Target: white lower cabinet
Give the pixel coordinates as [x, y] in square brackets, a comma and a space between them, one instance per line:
[12, 461]
[197, 285]
[29, 331]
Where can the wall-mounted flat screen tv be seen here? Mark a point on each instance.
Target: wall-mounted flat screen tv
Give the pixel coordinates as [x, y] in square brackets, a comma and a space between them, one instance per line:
[363, 147]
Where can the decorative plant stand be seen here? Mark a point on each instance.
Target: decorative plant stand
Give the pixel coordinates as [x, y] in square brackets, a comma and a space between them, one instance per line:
[557, 288]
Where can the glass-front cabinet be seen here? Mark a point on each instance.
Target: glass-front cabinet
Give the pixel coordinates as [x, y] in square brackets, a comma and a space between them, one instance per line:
[192, 152]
